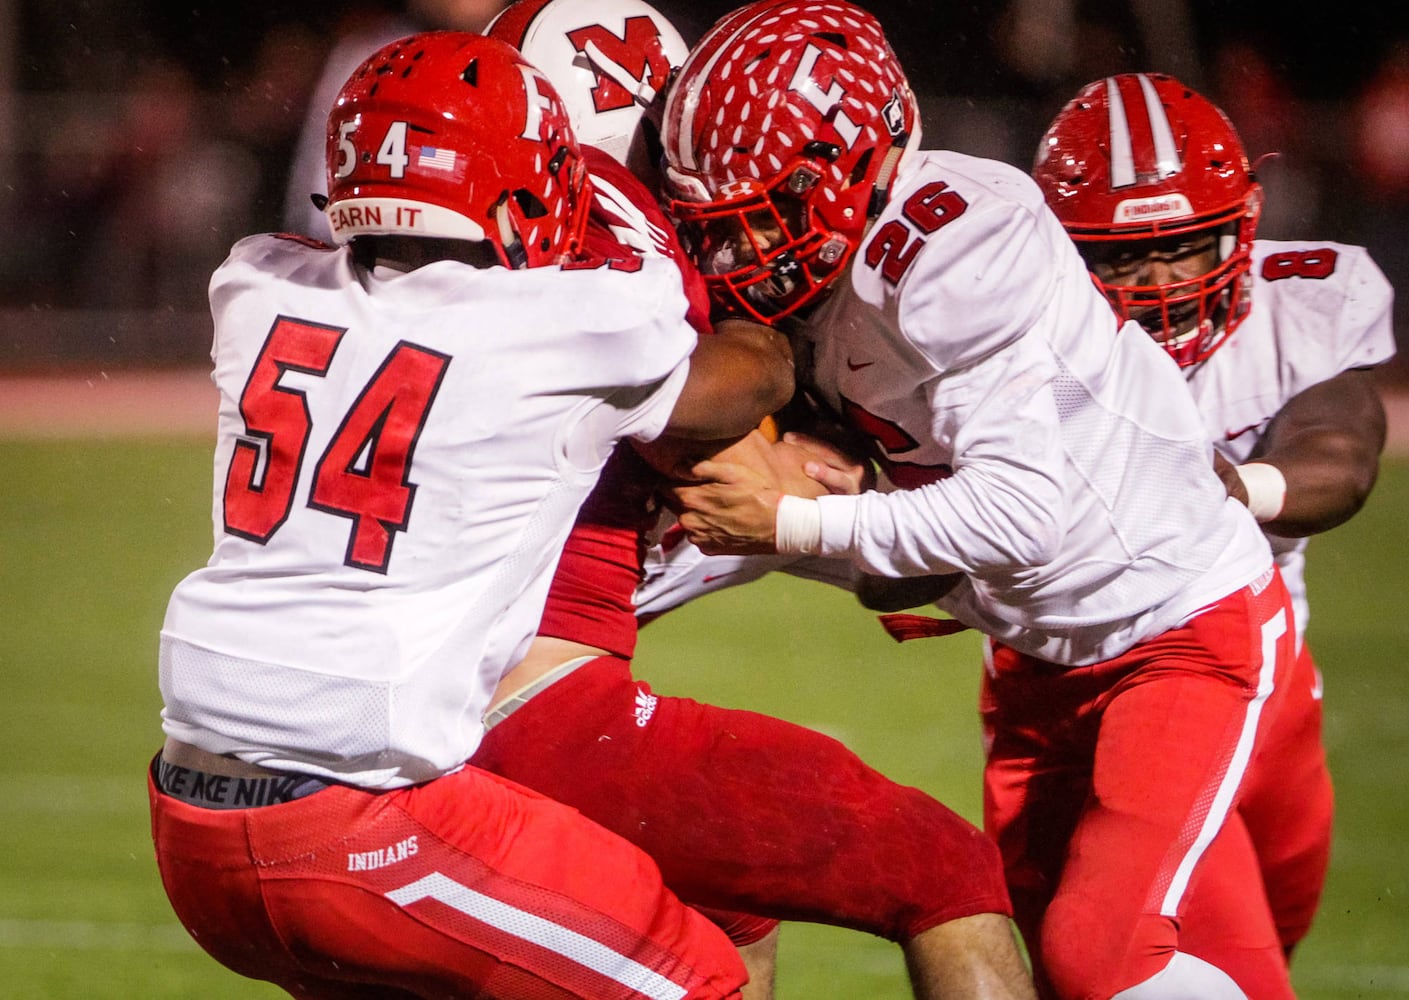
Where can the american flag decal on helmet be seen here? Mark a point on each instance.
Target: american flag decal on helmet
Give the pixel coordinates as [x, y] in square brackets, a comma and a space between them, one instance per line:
[432, 158]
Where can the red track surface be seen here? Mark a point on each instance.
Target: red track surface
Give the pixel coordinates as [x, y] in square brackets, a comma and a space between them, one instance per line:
[122, 404]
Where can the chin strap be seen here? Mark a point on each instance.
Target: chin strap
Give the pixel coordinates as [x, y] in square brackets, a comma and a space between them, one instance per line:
[880, 193]
[515, 255]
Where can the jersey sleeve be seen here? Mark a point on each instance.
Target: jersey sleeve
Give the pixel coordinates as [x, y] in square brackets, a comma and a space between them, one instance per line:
[1004, 504]
[630, 320]
[1366, 334]
[980, 281]
[636, 341]
[626, 213]
[675, 572]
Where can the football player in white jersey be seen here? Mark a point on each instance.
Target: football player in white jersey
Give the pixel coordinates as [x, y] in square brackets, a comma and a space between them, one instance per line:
[1277, 341]
[408, 424]
[570, 720]
[1139, 633]
[359, 32]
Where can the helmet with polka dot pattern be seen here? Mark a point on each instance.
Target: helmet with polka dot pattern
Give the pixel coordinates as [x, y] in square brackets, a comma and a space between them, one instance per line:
[782, 133]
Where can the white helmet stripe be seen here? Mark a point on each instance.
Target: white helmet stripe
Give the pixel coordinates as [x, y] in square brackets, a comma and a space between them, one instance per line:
[1167, 162]
[685, 145]
[641, 90]
[1122, 154]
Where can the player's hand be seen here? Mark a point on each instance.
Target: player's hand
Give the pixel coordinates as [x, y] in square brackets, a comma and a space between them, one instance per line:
[729, 508]
[827, 464]
[1232, 482]
[783, 462]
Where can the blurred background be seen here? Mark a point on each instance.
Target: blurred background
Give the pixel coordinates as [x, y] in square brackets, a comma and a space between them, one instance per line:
[140, 138]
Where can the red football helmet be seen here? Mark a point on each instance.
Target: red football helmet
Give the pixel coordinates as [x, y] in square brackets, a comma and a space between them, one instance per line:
[783, 130]
[1137, 163]
[609, 60]
[452, 134]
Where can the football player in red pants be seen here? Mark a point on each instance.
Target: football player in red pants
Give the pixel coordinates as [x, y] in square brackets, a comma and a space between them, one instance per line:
[1277, 341]
[409, 421]
[754, 819]
[1142, 638]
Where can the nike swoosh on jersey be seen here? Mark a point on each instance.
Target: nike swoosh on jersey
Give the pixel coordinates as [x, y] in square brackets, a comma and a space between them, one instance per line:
[1237, 434]
[856, 367]
[711, 577]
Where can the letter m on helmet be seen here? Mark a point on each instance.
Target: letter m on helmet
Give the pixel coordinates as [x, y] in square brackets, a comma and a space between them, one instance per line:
[637, 56]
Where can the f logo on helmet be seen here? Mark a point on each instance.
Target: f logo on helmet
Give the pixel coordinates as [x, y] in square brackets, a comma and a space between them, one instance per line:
[824, 101]
[638, 56]
[539, 104]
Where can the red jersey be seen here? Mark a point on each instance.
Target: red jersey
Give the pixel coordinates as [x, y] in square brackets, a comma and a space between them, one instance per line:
[590, 600]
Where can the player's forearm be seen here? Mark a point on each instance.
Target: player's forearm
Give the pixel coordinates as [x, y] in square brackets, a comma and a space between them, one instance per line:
[1328, 475]
[980, 519]
[738, 375]
[1326, 445]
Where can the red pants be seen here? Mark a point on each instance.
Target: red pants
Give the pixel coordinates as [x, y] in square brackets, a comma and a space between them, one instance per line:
[466, 886]
[1287, 806]
[1111, 790]
[747, 813]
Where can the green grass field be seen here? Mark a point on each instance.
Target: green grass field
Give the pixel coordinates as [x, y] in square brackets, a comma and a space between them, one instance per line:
[94, 535]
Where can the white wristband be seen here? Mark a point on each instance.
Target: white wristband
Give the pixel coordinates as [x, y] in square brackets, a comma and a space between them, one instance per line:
[1267, 489]
[798, 528]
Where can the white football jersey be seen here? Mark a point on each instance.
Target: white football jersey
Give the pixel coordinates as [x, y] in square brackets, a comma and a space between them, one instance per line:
[1054, 458]
[676, 572]
[1318, 309]
[399, 459]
